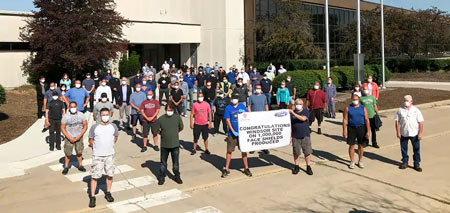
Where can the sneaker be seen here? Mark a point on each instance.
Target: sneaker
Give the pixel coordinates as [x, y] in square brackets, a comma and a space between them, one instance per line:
[91, 202]
[52, 148]
[207, 152]
[81, 169]
[403, 166]
[296, 170]
[144, 148]
[65, 171]
[161, 181]
[178, 180]
[225, 173]
[252, 152]
[58, 147]
[417, 168]
[361, 164]
[319, 131]
[44, 129]
[109, 197]
[193, 152]
[375, 145]
[309, 170]
[133, 137]
[156, 148]
[266, 151]
[247, 172]
[352, 165]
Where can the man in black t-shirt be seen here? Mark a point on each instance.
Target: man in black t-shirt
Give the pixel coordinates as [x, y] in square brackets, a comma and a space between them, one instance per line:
[291, 87]
[220, 104]
[176, 97]
[53, 115]
[210, 94]
[163, 87]
[213, 79]
[200, 81]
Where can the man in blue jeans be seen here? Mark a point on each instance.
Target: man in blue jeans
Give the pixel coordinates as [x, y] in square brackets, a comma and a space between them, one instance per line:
[409, 126]
[266, 86]
[190, 80]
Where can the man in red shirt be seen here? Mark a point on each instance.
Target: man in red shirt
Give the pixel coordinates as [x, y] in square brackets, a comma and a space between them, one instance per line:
[149, 110]
[201, 112]
[316, 101]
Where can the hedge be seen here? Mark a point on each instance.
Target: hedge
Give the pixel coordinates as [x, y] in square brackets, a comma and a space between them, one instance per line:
[302, 79]
[347, 77]
[417, 65]
[299, 64]
[2, 95]
[128, 66]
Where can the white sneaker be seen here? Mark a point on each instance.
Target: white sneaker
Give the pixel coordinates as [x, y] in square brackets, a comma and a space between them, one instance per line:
[352, 165]
[360, 164]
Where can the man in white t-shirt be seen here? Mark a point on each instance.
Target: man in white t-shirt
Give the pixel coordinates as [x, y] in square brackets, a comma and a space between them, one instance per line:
[281, 70]
[245, 77]
[165, 66]
[409, 126]
[103, 88]
[102, 138]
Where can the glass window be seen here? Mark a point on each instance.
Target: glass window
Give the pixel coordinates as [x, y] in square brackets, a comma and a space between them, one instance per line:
[264, 5]
[272, 8]
[257, 8]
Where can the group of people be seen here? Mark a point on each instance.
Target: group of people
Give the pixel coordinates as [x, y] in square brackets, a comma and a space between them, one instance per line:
[221, 97]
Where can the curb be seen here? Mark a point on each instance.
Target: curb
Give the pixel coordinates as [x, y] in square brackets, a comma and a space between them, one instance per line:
[421, 106]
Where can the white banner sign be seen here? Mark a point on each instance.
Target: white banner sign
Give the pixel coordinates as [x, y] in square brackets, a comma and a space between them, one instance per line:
[264, 130]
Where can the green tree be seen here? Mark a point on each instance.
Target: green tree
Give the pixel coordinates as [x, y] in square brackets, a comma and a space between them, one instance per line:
[2, 95]
[129, 65]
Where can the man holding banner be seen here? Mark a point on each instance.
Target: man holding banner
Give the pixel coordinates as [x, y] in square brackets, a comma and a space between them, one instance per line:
[301, 139]
[231, 115]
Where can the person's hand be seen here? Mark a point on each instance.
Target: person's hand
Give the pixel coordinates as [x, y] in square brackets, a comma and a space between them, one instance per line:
[47, 123]
[291, 111]
[344, 134]
[332, 99]
[324, 110]
[419, 136]
[115, 89]
[117, 105]
[278, 103]
[236, 134]
[367, 134]
[84, 105]
[399, 135]
[210, 126]
[192, 126]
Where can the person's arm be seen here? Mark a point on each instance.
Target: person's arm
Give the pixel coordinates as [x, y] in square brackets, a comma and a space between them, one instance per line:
[377, 92]
[376, 108]
[270, 91]
[210, 118]
[47, 123]
[82, 132]
[214, 109]
[44, 107]
[397, 125]
[144, 115]
[181, 99]
[288, 97]
[87, 100]
[180, 124]
[419, 136]
[366, 118]
[66, 135]
[192, 118]
[278, 96]
[300, 117]
[91, 142]
[295, 92]
[230, 127]
[344, 123]
[333, 94]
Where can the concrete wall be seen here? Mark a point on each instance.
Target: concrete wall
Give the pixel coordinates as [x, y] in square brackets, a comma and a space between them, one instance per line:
[10, 73]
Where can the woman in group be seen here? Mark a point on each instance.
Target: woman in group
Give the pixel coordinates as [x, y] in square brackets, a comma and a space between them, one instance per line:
[283, 96]
[65, 81]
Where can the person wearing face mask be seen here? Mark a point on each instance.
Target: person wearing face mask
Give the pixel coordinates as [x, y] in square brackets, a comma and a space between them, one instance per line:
[176, 97]
[145, 86]
[245, 77]
[136, 80]
[370, 103]
[357, 90]
[104, 103]
[200, 66]
[114, 83]
[89, 85]
[190, 80]
[200, 81]
[291, 87]
[207, 69]
[283, 96]
[165, 66]
[153, 71]
[149, 110]
[201, 122]
[163, 87]
[231, 116]
[63, 89]
[78, 95]
[255, 78]
[96, 79]
[209, 94]
[66, 81]
[213, 79]
[242, 90]
[40, 94]
[73, 127]
[355, 128]
[271, 68]
[173, 69]
[53, 114]
[266, 87]
[231, 77]
[281, 70]
[330, 91]
[270, 75]
[48, 97]
[124, 103]
[301, 140]
[258, 103]
[226, 87]
[184, 67]
[222, 101]
[185, 89]
[107, 75]
[316, 101]
[144, 68]
[147, 72]
[221, 74]
[136, 100]
[173, 78]
[102, 139]
[153, 84]
[373, 87]
[409, 127]
[169, 126]
[103, 88]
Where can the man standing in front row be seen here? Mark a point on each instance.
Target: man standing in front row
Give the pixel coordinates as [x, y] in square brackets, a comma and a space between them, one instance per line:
[149, 110]
[53, 115]
[102, 138]
[231, 115]
[330, 91]
[169, 126]
[315, 103]
[136, 100]
[301, 139]
[73, 126]
[258, 103]
[409, 126]
[201, 113]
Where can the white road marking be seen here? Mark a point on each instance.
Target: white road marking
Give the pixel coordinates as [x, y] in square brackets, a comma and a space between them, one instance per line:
[148, 201]
[59, 166]
[206, 209]
[127, 184]
[81, 175]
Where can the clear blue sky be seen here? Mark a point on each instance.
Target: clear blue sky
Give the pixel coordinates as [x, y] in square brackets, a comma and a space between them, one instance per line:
[27, 5]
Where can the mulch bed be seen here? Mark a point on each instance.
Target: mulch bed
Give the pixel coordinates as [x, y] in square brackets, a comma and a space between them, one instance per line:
[421, 76]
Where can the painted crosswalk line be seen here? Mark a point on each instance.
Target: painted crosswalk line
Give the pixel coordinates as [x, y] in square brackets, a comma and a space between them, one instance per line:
[122, 185]
[81, 175]
[59, 166]
[206, 209]
[148, 201]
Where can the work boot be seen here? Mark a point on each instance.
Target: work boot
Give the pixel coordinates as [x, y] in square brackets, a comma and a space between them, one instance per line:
[81, 169]
[403, 166]
[417, 168]
[58, 146]
[225, 173]
[144, 149]
[178, 180]
[91, 202]
[375, 145]
[65, 170]
[296, 170]
[109, 197]
[309, 170]
[247, 172]
[319, 131]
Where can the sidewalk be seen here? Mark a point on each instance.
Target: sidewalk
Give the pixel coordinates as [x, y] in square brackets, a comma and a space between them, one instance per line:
[419, 84]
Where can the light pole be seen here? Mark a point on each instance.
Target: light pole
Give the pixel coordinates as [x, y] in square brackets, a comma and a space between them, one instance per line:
[382, 44]
[327, 36]
[358, 20]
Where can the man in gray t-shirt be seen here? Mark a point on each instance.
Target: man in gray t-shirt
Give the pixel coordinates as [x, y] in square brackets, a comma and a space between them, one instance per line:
[100, 105]
[258, 103]
[73, 126]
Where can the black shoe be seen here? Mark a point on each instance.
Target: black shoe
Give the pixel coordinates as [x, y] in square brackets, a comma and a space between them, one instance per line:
[44, 129]
[128, 128]
[266, 151]
[319, 131]
[156, 148]
[133, 137]
[160, 181]
[109, 197]
[178, 180]
[144, 149]
[375, 145]
[81, 169]
[58, 147]
[52, 148]
[247, 172]
[91, 202]
[65, 171]
[193, 152]
[309, 170]
[225, 173]
[417, 168]
[207, 152]
[252, 152]
[403, 166]
[296, 170]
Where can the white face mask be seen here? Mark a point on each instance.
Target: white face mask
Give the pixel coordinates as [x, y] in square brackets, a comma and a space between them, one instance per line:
[150, 79]
[138, 89]
[213, 75]
[299, 107]
[220, 96]
[282, 86]
[357, 88]
[366, 91]
[329, 82]
[176, 87]
[181, 79]
[73, 110]
[288, 79]
[316, 87]
[225, 80]
[164, 76]
[144, 82]
[63, 88]
[77, 86]
[104, 99]
[240, 84]
[124, 82]
[265, 77]
[52, 88]
[234, 101]
[258, 91]
[88, 76]
[149, 96]
[42, 81]
[169, 113]
[103, 83]
[55, 97]
[407, 104]
[209, 84]
[355, 103]
[369, 80]
[105, 118]
[200, 99]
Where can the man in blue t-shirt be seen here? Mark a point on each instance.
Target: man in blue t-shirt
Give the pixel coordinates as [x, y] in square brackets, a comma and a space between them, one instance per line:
[301, 136]
[232, 77]
[78, 95]
[231, 116]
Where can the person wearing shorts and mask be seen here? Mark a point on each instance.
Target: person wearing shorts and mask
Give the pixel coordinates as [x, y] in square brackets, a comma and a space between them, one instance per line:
[301, 140]
[201, 113]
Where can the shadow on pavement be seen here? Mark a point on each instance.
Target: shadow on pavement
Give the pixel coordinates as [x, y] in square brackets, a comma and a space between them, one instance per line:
[323, 155]
[236, 163]
[101, 184]
[154, 167]
[334, 122]
[383, 159]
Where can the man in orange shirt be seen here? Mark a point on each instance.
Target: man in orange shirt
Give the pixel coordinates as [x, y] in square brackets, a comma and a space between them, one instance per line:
[373, 87]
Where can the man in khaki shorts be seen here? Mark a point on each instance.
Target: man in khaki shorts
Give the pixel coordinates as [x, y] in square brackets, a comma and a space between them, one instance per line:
[102, 138]
[301, 139]
[73, 126]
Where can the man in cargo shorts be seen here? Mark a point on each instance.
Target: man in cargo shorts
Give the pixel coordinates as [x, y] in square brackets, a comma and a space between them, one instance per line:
[102, 138]
[73, 126]
[301, 139]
